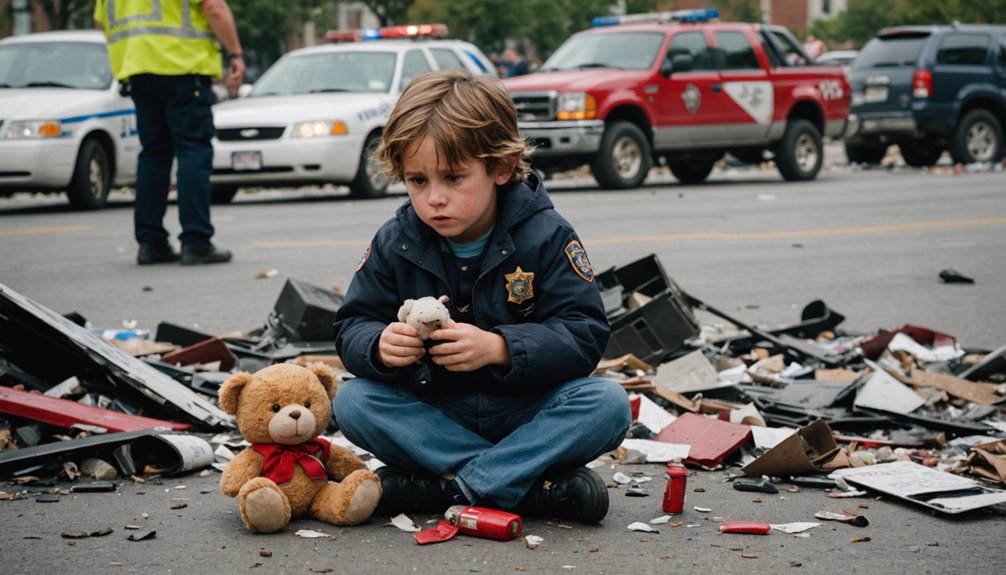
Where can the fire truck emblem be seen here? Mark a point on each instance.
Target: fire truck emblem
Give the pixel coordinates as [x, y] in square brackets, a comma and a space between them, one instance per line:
[755, 98]
[692, 98]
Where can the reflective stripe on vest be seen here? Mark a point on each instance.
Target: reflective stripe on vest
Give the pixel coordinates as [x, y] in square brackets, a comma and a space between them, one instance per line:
[159, 42]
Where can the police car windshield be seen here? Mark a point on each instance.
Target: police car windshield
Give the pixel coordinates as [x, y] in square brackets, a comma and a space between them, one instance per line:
[343, 71]
[79, 65]
[621, 50]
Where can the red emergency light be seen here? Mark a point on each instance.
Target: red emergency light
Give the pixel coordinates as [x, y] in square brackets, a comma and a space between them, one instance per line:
[388, 32]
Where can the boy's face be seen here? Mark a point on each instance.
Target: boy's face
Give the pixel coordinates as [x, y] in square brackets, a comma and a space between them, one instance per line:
[458, 202]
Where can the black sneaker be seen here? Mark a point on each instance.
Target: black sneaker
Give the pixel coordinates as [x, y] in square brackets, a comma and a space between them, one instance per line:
[578, 494]
[409, 492]
[204, 254]
[156, 253]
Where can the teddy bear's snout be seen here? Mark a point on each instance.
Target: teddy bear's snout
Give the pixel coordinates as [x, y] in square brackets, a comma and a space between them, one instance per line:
[295, 414]
[292, 424]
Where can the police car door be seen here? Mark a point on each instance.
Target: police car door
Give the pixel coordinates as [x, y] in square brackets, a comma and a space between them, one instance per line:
[747, 111]
[686, 101]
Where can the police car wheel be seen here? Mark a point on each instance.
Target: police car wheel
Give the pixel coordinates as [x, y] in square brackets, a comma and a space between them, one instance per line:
[624, 159]
[865, 153]
[978, 138]
[370, 180]
[92, 177]
[800, 153]
[220, 195]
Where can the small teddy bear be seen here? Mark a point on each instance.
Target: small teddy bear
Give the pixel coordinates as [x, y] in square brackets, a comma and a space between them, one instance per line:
[289, 470]
[426, 314]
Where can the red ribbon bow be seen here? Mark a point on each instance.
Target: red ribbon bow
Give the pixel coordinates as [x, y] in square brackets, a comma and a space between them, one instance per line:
[280, 459]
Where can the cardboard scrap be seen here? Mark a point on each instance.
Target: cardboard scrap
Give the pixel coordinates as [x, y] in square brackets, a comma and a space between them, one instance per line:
[789, 457]
[988, 460]
[984, 393]
[687, 374]
[944, 492]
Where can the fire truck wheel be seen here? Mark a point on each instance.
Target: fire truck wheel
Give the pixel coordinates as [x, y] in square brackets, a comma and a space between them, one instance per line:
[624, 158]
[370, 180]
[691, 171]
[800, 153]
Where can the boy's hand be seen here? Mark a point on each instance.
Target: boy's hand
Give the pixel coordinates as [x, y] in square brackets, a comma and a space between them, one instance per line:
[399, 345]
[464, 347]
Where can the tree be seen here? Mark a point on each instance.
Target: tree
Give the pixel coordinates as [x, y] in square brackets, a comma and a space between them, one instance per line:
[62, 13]
[389, 11]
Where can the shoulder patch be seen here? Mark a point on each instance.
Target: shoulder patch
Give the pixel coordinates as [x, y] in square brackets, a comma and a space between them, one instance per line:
[578, 257]
[363, 259]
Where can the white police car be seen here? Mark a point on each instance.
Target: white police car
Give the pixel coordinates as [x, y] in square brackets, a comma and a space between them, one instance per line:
[63, 124]
[314, 116]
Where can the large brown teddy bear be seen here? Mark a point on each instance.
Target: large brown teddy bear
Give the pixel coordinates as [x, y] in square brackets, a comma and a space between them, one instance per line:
[281, 410]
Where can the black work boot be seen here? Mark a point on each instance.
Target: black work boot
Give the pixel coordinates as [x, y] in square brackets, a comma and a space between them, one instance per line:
[204, 254]
[409, 492]
[155, 253]
[578, 494]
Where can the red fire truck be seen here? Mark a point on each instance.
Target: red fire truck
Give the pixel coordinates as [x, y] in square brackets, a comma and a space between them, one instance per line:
[680, 89]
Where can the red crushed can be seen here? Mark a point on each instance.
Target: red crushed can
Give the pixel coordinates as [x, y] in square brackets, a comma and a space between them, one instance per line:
[674, 493]
[485, 522]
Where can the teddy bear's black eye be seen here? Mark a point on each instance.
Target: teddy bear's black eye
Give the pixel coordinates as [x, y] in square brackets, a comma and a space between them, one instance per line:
[275, 408]
[307, 404]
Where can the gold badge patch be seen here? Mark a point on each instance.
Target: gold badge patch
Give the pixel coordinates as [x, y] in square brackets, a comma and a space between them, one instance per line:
[519, 287]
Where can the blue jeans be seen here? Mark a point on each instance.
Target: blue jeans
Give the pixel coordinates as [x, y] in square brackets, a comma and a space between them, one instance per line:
[174, 117]
[498, 445]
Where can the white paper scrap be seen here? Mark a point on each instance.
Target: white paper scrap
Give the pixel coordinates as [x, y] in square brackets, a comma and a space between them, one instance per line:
[652, 416]
[660, 520]
[640, 526]
[532, 541]
[769, 437]
[405, 523]
[311, 534]
[658, 451]
[796, 527]
[885, 393]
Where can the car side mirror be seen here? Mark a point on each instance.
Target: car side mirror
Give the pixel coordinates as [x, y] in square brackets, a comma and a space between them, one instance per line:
[680, 63]
[244, 90]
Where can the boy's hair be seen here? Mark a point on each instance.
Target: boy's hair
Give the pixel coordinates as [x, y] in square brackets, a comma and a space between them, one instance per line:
[467, 116]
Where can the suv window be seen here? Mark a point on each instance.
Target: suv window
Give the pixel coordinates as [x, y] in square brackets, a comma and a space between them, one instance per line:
[692, 44]
[963, 49]
[891, 51]
[413, 65]
[737, 52]
[446, 58]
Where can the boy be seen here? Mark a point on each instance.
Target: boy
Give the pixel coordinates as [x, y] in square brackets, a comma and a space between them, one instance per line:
[499, 410]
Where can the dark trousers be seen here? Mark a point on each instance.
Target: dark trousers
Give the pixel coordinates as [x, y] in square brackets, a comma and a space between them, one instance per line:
[174, 118]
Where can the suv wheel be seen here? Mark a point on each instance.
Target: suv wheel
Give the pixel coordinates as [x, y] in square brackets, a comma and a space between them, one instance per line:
[800, 153]
[920, 154]
[624, 158]
[978, 138]
[370, 180]
[92, 177]
[691, 171]
[865, 153]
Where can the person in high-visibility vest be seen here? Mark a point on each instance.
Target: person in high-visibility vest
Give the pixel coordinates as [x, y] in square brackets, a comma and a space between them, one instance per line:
[166, 52]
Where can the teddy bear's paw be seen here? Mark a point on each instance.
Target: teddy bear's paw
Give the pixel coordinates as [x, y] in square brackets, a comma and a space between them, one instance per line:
[350, 502]
[264, 508]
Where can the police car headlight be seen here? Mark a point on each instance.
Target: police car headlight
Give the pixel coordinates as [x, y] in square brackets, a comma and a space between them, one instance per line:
[576, 106]
[33, 129]
[320, 129]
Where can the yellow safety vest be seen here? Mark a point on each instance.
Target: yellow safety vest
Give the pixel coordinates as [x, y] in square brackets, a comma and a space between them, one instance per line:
[164, 37]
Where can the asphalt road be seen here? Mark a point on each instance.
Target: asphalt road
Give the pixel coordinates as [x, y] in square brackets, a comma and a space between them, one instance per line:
[871, 244]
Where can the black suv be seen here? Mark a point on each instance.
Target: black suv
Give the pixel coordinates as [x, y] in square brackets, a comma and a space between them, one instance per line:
[929, 89]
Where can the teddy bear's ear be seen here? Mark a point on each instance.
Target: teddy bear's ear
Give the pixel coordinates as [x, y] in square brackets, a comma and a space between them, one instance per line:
[231, 390]
[326, 376]
[443, 299]
[403, 312]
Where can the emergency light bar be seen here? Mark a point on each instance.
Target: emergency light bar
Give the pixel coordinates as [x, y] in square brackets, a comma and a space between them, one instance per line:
[365, 34]
[688, 16]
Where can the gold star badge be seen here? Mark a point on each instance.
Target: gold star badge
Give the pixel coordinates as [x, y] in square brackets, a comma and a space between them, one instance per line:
[518, 286]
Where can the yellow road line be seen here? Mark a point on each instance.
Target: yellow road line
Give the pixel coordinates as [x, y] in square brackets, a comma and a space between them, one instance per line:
[48, 230]
[820, 232]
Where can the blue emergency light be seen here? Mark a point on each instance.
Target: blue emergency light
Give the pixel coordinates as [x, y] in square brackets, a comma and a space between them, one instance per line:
[686, 16]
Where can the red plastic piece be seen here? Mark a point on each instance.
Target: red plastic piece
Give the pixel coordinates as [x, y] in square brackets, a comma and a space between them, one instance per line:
[755, 527]
[65, 413]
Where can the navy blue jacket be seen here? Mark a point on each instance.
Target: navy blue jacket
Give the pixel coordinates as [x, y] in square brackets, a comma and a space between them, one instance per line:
[557, 334]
